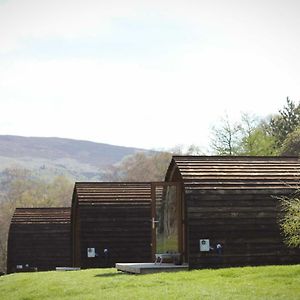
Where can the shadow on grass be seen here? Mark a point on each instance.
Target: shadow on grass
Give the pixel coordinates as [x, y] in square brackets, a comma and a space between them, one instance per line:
[109, 274]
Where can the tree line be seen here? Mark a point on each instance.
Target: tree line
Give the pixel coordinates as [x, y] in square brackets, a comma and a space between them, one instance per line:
[273, 135]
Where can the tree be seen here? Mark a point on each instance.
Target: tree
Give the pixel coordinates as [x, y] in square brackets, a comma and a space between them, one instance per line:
[291, 145]
[143, 166]
[194, 150]
[271, 137]
[21, 189]
[59, 192]
[249, 136]
[290, 222]
[248, 125]
[286, 122]
[257, 140]
[226, 137]
[140, 167]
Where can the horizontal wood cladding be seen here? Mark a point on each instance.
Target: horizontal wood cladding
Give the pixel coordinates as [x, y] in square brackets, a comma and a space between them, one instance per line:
[250, 235]
[113, 216]
[39, 238]
[220, 172]
[235, 201]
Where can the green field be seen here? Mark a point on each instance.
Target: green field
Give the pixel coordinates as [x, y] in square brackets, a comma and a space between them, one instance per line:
[272, 282]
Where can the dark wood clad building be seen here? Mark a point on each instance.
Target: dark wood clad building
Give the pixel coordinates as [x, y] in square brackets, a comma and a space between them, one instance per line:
[230, 207]
[214, 211]
[39, 239]
[111, 222]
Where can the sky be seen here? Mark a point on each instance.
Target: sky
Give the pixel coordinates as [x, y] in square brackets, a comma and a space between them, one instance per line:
[148, 74]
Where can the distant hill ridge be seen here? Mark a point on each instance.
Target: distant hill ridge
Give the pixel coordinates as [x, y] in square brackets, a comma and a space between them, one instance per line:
[60, 154]
[97, 154]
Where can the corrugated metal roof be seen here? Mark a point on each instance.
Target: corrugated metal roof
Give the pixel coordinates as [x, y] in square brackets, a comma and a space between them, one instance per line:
[42, 215]
[236, 172]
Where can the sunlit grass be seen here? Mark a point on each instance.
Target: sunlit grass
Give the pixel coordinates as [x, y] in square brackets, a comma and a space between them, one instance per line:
[272, 282]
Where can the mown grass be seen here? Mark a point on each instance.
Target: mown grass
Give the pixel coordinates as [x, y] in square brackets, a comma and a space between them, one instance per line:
[272, 282]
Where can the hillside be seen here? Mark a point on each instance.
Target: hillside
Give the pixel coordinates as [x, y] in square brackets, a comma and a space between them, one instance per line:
[48, 157]
[271, 282]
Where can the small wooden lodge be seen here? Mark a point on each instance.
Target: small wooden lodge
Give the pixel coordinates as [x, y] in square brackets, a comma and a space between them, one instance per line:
[39, 239]
[111, 222]
[229, 209]
[211, 211]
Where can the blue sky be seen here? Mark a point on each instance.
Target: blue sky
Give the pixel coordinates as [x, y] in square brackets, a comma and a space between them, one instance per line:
[150, 74]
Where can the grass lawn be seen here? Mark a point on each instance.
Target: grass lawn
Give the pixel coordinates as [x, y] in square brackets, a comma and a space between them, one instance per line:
[272, 282]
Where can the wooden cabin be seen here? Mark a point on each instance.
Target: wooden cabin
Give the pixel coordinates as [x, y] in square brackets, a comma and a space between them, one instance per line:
[39, 239]
[111, 222]
[229, 209]
[211, 211]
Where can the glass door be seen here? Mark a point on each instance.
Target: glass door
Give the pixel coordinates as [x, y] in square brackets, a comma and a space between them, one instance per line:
[167, 218]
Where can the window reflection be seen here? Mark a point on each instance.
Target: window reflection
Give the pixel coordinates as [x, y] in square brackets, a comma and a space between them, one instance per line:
[167, 217]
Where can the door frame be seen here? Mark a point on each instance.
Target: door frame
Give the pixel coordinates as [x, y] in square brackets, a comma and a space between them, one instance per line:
[180, 216]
